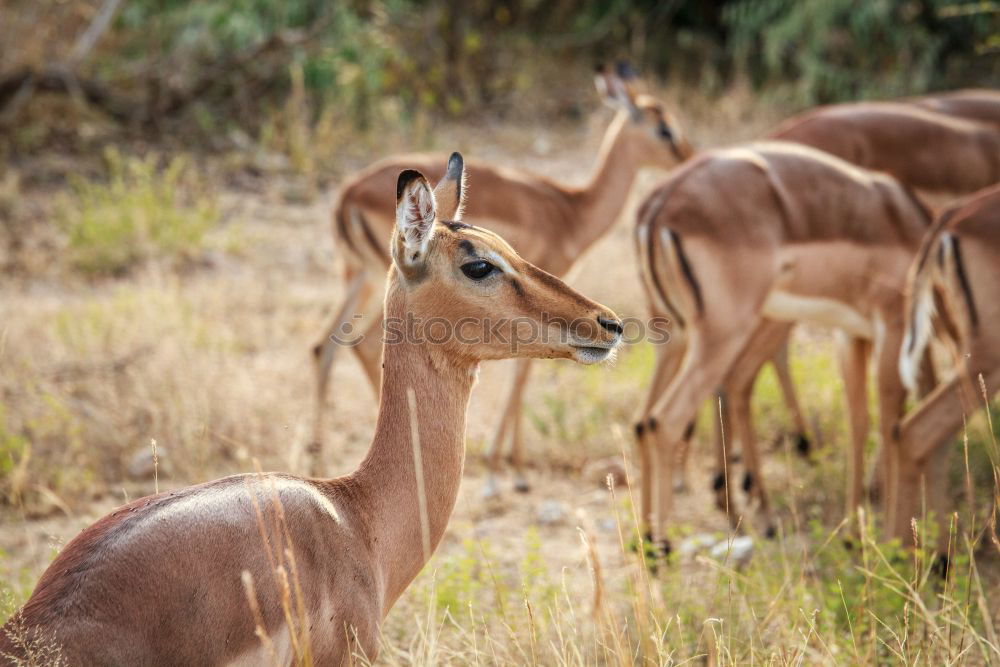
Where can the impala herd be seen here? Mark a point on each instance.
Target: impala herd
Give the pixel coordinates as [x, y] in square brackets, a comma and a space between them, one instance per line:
[820, 222]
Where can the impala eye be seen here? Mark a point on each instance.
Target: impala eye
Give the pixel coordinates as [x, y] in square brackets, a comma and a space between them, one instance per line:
[478, 269]
[665, 132]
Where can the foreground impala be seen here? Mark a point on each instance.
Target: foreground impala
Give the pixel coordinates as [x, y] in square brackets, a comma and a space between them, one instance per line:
[738, 243]
[959, 265]
[551, 225]
[159, 581]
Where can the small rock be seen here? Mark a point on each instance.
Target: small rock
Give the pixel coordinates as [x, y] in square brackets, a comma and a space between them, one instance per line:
[738, 551]
[551, 512]
[696, 544]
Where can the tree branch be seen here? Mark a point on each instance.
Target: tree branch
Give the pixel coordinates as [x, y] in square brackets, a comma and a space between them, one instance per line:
[93, 33]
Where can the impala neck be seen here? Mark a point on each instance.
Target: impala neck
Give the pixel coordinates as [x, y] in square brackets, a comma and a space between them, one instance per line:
[386, 478]
[598, 204]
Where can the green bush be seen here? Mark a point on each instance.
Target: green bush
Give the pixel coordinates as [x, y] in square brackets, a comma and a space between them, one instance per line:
[140, 213]
[834, 50]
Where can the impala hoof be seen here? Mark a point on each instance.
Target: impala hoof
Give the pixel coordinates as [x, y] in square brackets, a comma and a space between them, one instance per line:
[653, 550]
[802, 445]
[771, 532]
[719, 481]
[663, 548]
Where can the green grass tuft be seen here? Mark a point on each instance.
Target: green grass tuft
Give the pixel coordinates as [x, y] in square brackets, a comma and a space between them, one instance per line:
[140, 213]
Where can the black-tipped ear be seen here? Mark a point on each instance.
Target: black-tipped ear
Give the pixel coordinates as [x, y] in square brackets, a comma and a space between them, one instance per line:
[615, 87]
[450, 192]
[415, 215]
[455, 166]
[405, 178]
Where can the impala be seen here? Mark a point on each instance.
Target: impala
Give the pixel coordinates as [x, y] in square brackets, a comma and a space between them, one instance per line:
[551, 224]
[973, 104]
[743, 241]
[160, 580]
[943, 143]
[958, 267]
[926, 150]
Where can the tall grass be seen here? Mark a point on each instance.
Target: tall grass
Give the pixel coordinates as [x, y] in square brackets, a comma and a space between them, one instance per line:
[803, 599]
[140, 213]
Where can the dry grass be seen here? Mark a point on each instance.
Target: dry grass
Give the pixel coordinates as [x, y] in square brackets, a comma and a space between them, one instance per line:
[209, 357]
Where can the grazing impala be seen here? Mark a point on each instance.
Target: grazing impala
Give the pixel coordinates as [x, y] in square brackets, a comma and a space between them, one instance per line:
[161, 580]
[972, 104]
[549, 223]
[924, 149]
[959, 268]
[950, 143]
[740, 242]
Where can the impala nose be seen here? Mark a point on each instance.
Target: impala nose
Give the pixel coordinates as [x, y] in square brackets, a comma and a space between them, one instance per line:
[610, 324]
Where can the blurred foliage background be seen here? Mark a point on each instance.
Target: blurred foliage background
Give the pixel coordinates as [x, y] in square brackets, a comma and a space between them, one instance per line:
[201, 66]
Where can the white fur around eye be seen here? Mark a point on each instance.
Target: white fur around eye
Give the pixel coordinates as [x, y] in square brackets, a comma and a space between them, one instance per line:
[500, 263]
[415, 220]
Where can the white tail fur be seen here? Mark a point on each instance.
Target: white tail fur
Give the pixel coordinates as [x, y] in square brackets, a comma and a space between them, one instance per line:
[920, 327]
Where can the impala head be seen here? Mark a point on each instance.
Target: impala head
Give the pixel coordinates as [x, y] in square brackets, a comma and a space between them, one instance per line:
[646, 124]
[472, 296]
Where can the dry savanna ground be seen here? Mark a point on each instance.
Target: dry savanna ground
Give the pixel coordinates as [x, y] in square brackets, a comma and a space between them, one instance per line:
[175, 297]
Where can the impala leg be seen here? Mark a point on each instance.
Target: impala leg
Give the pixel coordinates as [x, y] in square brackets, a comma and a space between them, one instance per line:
[891, 396]
[767, 340]
[928, 375]
[493, 456]
[721, 480]
[683, 460]
[853, 357]
[668, 358]
[369, 352]
[514, 415]
[509, 425]
[925, 385]
[936, 486]
[705, 366]
[929, 428]
[739, 406]
[783, 371]
[325, 351]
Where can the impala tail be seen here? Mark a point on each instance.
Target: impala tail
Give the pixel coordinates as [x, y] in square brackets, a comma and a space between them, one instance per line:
[939, 292]
[665, 268]
[361, 243]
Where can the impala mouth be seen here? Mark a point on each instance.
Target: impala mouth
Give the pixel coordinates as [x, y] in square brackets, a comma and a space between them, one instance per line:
[593, 354]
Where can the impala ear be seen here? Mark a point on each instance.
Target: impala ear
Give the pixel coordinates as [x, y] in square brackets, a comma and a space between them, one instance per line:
[415, 215]
[450, 192]
[617, 88]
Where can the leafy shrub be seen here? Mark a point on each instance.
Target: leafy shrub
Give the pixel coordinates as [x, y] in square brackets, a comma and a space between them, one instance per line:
[139, 214]
[833, 50]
